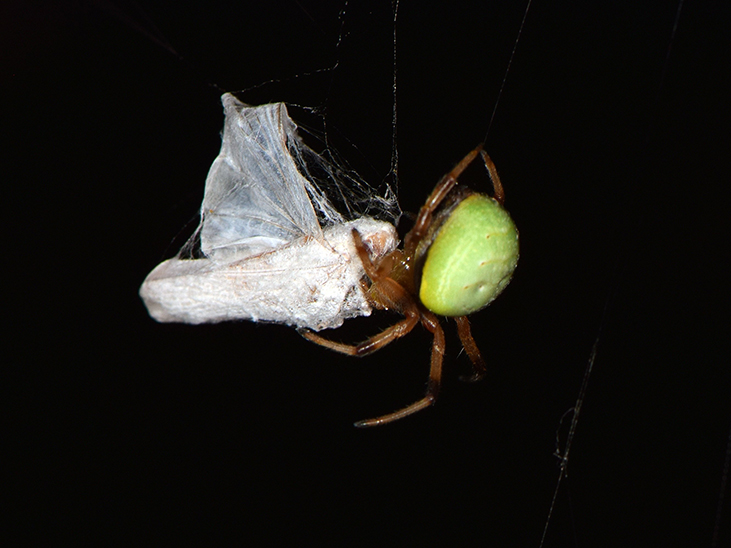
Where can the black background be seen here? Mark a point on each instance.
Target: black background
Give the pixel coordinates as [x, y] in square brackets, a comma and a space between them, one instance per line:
[118, 427]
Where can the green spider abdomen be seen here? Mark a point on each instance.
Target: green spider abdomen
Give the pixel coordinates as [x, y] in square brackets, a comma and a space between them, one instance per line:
[472, 258]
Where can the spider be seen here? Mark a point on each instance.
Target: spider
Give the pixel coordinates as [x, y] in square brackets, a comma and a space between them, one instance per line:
[459, 255]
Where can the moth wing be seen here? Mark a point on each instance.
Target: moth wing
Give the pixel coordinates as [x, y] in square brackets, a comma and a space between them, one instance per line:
[255, 199]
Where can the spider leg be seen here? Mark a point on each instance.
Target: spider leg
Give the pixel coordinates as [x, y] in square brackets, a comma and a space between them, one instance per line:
[468, 342]
[497, 186]
[374, 343]
[431, 322]
[423, 220]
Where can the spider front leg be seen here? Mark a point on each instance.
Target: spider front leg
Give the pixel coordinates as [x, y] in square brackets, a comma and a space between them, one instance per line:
[443, 187]
[497, 186]
[423, 220]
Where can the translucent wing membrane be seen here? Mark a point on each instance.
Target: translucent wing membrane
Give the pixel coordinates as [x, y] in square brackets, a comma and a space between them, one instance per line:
[255, 199]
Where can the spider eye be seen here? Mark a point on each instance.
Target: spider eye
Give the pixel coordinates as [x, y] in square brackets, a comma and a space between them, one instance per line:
[471, 259]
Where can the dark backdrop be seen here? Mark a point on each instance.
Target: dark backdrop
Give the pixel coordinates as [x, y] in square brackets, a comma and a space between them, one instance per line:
[615, 173]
